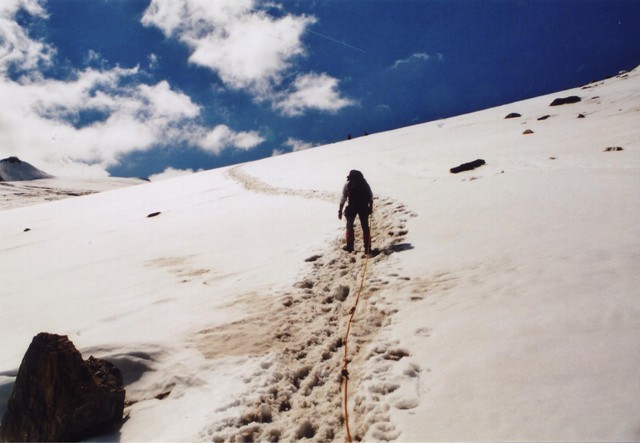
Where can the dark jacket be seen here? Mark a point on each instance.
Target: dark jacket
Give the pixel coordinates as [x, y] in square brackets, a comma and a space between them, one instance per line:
[358, 193]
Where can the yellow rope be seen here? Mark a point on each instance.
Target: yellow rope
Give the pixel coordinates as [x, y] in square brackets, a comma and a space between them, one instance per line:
[345, 362]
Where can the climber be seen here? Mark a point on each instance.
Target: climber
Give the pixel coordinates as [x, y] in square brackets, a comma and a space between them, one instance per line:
[360, 203]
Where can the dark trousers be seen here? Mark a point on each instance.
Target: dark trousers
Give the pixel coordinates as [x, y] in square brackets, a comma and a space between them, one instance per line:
[363, 215]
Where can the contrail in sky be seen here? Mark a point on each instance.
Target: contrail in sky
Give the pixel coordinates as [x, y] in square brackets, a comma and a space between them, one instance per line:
[315, 33]
[336, 41]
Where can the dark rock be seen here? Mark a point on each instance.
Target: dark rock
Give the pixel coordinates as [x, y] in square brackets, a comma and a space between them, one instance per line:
[544, 117]
[613, 149]
[528, 131]
[513, 115]
[566, 100]
[154, 214]
[467, 166]
[581, 116]
[59, 397]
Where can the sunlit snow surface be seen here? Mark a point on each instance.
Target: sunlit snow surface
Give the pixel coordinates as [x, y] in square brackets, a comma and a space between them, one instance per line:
[503, 304]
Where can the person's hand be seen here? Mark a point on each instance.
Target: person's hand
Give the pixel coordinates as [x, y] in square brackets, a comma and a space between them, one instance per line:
[340, 214]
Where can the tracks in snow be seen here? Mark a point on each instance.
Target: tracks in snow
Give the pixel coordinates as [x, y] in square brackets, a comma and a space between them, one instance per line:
[255, 185]
[299, 334]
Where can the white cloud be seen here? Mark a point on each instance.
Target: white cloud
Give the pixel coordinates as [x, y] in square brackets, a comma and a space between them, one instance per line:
[245, 47]
[164, 103]
[171, 173]
[39, 120]
[251, 52]
[17, 49]
[297, 145]
[312, 91]
[93, 58]
[294, 145]
[222, 137]
[416, 57]
[84, 124]
[248, 49]
[154, 61]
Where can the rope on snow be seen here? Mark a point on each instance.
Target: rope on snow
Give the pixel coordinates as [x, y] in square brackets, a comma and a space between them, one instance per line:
[345, 361]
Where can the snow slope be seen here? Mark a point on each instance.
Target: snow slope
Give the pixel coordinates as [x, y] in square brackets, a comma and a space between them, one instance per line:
[23, 184]
[503, 305]
[15, 194]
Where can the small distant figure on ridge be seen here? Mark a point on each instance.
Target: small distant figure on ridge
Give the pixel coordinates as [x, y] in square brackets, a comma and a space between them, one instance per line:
[358, 193]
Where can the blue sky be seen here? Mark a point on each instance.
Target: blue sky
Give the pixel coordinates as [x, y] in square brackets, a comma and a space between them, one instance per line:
[147, 87]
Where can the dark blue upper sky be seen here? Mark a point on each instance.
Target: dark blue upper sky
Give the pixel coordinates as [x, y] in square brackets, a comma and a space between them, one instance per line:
[394, 62]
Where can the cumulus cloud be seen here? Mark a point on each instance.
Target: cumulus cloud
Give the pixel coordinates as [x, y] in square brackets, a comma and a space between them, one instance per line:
[248, 49]
[252, 52]
[312, 92]
[172, 173]
[245, 47]
[87, 122]
[293, 145]
[17, 49]
[297, 145]
[222, 137]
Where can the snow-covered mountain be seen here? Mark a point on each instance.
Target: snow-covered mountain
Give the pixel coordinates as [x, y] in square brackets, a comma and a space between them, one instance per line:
[22, 184]
[14, 169]
[503, 304]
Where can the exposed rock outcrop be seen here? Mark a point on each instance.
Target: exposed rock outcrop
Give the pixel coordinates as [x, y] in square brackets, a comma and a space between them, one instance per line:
[59, 397]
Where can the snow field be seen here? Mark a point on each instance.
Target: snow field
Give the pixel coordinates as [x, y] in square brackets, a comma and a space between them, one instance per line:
[502, 305]
[522, 279]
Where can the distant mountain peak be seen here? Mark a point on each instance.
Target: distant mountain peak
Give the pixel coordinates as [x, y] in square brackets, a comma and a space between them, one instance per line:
[11, 160]
[14, 169]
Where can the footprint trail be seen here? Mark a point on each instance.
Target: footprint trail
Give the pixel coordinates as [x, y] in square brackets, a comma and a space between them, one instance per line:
[301, 333]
